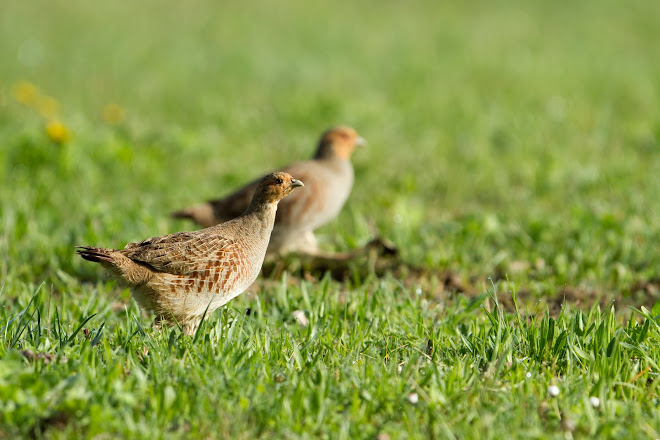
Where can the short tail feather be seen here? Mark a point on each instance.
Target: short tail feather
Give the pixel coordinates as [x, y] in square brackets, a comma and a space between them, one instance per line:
[203, 215]
[184, 213]
[94, 254]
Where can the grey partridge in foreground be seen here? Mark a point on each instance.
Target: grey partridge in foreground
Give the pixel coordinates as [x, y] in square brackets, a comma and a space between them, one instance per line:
[181, 276]
[328, 178]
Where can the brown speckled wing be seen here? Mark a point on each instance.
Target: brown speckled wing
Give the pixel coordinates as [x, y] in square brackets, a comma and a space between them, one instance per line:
[184, 253]
[224, 270]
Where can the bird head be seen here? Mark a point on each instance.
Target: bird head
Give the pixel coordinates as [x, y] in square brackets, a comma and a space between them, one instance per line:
[339, 142]
[275, 186]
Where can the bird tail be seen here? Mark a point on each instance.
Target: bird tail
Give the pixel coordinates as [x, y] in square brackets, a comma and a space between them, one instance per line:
[95, 254]
[184, 213]
[202, 214]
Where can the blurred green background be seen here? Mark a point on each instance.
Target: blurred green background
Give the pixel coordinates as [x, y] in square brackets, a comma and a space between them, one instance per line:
[515, 138]
[507, 139]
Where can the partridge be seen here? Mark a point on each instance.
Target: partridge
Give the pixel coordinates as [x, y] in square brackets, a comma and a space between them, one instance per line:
[328, 178]
[182, 276]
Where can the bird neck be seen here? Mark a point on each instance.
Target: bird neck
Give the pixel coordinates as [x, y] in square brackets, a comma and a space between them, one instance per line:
[261, 215]
[254, 228]
[331, 156]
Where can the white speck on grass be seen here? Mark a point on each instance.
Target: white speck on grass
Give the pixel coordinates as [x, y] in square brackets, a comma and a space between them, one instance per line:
[300, 318]
[413, 398]
[528, 375]
[595, 401]
[418, 291]
[553, 390]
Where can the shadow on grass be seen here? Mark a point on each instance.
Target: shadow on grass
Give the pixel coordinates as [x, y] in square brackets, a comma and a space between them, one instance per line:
[381, 258]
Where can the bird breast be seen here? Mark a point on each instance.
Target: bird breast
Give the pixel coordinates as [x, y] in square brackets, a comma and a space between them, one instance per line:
[327, 187]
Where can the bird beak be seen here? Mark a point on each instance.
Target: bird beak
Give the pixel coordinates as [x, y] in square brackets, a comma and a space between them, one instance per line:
[360, 141]
[295, 183]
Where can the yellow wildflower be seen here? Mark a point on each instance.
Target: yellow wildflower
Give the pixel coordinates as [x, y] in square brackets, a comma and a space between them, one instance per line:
[25, 92]
[57, 131]
[112, 114]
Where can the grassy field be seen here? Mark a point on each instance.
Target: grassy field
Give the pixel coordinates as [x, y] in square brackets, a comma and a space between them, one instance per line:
[513, 159]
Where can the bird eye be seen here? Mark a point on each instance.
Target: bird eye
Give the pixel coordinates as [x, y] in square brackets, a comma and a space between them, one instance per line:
[279, 181]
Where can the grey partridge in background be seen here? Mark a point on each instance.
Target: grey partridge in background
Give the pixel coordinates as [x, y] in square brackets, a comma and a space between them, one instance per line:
[181, 276]
[328, 178]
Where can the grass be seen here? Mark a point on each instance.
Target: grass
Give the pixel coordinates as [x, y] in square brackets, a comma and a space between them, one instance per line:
[513, 147]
